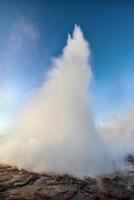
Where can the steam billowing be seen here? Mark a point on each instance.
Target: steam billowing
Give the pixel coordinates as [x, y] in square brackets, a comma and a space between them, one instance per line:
[56, 131]
[118, 134]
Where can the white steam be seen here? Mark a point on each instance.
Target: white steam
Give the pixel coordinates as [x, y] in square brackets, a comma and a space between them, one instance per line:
[56, 131]
[118, 134]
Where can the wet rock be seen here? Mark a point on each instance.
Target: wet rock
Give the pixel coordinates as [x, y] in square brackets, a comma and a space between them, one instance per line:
[23, 185]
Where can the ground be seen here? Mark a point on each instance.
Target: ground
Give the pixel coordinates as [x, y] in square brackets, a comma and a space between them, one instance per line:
[24, 185]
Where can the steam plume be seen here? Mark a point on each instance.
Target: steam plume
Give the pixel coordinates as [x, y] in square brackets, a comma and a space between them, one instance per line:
[118, 133]
[55, 131]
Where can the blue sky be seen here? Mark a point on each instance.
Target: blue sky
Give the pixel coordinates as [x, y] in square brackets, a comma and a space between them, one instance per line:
[34, 31]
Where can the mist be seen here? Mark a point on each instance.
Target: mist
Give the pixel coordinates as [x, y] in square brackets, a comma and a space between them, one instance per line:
[55, 131]
[117, 132]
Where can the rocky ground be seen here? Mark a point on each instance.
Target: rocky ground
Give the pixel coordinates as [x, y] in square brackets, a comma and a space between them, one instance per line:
[23, 185]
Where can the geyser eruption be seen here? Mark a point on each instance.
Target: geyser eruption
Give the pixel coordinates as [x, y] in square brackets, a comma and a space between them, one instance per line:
[55, 131]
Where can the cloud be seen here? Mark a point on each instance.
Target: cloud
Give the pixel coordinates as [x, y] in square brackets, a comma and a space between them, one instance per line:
[17, 59]
[21, 31]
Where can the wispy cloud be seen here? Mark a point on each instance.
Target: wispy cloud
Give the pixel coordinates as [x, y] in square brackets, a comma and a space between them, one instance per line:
[21, 31]
[15, 56]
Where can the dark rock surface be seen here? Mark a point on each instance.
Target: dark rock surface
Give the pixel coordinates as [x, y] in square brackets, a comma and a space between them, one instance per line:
[130, 160]
[23, 185]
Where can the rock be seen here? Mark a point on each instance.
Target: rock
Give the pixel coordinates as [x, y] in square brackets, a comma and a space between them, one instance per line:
[118, 186]
[130, 160]
[24, 185]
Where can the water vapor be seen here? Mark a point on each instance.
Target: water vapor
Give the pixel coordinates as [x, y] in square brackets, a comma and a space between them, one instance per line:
[118, 133]
[55, 131]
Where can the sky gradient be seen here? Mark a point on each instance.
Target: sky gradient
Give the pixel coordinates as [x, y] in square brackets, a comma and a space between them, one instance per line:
[33, 32]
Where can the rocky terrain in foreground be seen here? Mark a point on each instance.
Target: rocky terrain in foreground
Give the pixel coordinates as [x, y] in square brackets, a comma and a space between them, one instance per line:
[23, 185]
